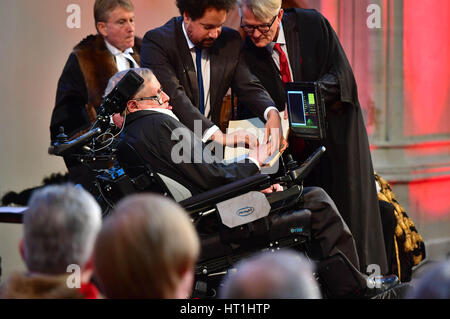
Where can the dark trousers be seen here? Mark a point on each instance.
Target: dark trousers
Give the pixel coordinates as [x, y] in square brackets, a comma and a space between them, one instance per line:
[333, 244]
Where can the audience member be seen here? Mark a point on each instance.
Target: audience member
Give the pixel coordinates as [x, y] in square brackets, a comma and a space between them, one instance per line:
[433, 284]
[281, 275]
[147, 248]
[60, 228]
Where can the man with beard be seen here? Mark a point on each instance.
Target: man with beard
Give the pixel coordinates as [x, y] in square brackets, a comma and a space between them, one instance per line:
[197, 61]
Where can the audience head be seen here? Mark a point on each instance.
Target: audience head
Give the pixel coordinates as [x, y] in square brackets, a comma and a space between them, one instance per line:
[147, 248]
[260, 20]
[60, 228]
[280, 275]
[203, 19]
[433, 284]
[114, 20]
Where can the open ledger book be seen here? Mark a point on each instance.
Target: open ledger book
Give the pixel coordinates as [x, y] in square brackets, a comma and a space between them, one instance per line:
[256, 127]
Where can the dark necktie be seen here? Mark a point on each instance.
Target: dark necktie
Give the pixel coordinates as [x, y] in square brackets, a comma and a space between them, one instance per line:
[201, 93]
[284, 65]
[130, 63]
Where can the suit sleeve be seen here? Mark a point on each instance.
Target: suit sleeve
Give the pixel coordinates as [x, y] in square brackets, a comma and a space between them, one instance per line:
[156, 55]
[71, 99]
[249, 89]
[192, 159]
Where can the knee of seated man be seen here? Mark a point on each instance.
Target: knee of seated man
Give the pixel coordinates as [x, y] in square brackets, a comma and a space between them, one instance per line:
[316, 194]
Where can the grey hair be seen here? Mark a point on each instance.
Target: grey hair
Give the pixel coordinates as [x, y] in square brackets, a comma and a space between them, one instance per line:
[281, 275]
[146, 73]
[262, 9]
[60, 228]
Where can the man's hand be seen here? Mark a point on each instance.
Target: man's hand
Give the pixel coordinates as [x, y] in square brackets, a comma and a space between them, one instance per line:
[274, 132]
[273, 189]
[261, 153]
[242, 138]
[238, 138]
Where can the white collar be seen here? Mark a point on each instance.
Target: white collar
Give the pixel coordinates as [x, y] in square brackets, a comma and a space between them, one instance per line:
[189, 42]
[114, 51]
[163, 111]
[281, 38]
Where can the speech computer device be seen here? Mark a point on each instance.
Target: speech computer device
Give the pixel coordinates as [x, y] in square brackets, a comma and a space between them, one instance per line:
[307, 117]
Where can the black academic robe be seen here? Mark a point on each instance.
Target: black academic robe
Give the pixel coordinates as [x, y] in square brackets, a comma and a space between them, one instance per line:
[345, 171]
[161, 141]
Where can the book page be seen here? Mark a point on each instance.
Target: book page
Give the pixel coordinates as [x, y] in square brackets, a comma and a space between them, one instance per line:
[256, 127]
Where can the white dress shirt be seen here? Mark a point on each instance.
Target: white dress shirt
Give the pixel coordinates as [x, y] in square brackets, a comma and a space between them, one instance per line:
[121, 57]
[206, 74]
[275, 56]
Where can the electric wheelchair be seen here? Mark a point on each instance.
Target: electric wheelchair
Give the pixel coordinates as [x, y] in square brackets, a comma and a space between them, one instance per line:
[119, 171]
[233, 221]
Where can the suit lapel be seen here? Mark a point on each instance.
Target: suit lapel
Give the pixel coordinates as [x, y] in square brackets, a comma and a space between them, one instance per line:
[263, 66]
[190, 84]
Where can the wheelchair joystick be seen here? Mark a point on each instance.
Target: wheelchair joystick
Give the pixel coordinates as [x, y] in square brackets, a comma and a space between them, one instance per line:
[291, 164]
[61, 137]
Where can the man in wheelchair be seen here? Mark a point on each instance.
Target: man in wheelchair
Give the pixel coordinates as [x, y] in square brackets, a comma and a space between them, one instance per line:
[234, 207]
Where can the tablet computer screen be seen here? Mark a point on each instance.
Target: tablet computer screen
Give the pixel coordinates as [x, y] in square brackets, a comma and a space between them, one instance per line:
[306, 110]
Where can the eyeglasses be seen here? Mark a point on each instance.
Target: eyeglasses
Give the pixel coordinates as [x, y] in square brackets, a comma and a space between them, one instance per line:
[156, 98]
[263, 28]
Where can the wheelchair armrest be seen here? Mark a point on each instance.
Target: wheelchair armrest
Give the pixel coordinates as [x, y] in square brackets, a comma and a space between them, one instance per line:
[210, 198]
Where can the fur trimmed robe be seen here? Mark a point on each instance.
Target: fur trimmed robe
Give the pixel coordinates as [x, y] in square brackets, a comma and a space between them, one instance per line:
[23, 286]
[82, 84]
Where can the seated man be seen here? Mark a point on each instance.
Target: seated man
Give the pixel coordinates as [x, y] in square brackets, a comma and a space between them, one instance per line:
[60, 228]
[154, 131]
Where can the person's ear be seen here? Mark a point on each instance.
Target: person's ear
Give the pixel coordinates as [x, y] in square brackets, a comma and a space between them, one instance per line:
[102, 29]
[88, 270]
[280, 14]
[184, 289]
[186, 18]
[22, 249]
[132, 106]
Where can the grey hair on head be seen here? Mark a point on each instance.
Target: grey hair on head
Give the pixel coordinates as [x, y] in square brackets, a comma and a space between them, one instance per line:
[285, 274]
[145, 73]
[60, 228]
[262, 9]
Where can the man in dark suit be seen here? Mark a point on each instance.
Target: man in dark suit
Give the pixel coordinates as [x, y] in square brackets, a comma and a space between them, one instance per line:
[197, 61]
[158, 136]
[300, 45]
